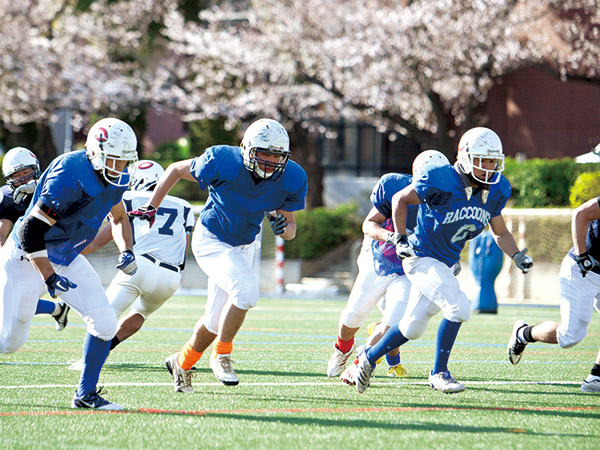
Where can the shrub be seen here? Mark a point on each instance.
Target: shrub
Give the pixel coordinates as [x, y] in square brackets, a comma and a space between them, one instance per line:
[586, 187]
[321, 230]
[540, 182]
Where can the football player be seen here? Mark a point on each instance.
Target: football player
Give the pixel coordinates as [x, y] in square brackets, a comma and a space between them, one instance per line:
[244, 184]
[579, 291]
[160, 254]
[380, 272]
[456, 204]
[73, 197]
[21, 170]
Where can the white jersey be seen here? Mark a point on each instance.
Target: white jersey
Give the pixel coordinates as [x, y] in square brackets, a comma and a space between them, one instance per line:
[166, 240]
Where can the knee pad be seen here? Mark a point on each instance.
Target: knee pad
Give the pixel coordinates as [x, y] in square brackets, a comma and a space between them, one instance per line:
[245, 297]
[570, 338]
[413, 329]
[103, 326]
[460, 311]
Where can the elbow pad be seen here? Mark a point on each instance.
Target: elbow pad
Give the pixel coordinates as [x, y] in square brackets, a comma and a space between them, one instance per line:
[31, 235]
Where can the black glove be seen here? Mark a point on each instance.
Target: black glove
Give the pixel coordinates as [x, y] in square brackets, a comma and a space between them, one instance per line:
[56, 285]
[585, 262]
[278, 224]
[404, 248]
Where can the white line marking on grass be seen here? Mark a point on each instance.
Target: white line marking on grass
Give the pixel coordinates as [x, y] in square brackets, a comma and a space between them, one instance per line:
[292, 384]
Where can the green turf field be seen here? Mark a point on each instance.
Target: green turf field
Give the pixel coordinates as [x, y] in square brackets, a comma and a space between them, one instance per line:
[285, 401]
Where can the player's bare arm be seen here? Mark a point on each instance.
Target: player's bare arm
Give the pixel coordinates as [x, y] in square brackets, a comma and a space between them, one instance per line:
[580, 222]
[290, 229]
[175, 172]
[121, 228]
[5, 227]
[400, 202]
[372, 225]
[103, 237]
[502, 236]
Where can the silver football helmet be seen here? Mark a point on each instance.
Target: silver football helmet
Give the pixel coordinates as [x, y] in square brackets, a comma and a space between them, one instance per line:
[270, 137]
[17, 159]
[114, 140]
[475, 145]
[426, 158]
[145, 175]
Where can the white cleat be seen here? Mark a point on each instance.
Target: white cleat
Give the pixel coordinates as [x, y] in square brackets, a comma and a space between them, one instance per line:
[182, 379]
[591, 384]
[221, 367]
[443, 381]
[338, 361]
[364, 370]
[348, 376]
[515, 347]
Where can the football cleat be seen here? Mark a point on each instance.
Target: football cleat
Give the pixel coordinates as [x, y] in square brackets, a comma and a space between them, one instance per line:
[397, 372]
[221, 367]
[182, 379]
[348, 376]
[61, 317]
[370, 331]
[364, 370]
[338, 361]
[94, 401]
[515, 346]
[591, 384]
[444, 382]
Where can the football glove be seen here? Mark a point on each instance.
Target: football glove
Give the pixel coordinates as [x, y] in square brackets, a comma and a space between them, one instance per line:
[56, 285]
[24, 190]
[127, 263]
[456, 268]
[523, 261]
[278, 223]
[393, 239]
[404, 248]
[585, 262]
[147, 212]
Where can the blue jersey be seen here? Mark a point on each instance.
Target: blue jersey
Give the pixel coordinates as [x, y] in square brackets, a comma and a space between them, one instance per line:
[592, 242]
[72, 189]
[236, 203]
[446, 218]
[9, 210]
[384, 255]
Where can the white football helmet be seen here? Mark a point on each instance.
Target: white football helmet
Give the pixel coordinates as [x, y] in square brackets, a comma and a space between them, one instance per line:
[426, 158]
[267, 136]
[145, 175]
[17, 159]
[115, 140]
[477, 144]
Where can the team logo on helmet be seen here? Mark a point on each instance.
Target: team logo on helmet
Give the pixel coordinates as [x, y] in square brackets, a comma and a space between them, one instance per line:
[102, 135]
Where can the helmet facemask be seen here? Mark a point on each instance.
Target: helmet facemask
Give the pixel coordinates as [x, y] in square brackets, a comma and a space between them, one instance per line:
[266, 137]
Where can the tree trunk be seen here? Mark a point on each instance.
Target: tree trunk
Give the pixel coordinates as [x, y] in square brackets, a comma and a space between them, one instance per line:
[305, 152]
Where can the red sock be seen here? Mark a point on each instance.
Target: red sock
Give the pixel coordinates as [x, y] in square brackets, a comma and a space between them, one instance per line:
[344, 346]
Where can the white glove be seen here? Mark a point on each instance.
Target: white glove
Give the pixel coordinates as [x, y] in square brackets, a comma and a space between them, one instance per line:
[456, 268]
[404, 248]
[523, 261]
[24, 190]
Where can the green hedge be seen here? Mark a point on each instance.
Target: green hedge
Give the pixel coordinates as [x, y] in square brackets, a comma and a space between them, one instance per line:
[542, 182]
[586, 187]
[321, 230]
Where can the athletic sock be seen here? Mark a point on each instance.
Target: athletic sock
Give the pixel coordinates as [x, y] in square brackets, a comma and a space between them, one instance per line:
[446, 335]
[188, 357]
[596, 370]
[223, 348]
[344, 346]
[115, 341]
[95, 351]
[524, 335]
[45, 307]
[393, 361]
[391, 340]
